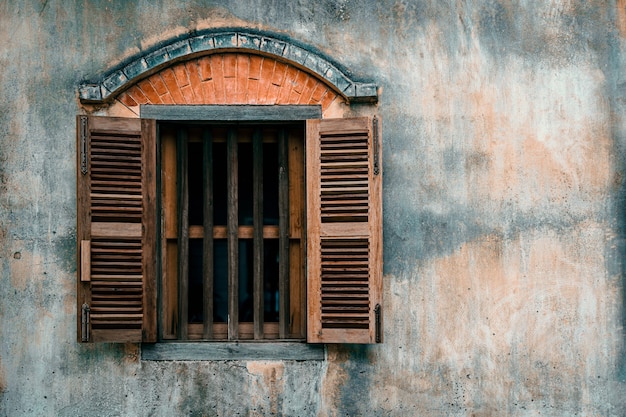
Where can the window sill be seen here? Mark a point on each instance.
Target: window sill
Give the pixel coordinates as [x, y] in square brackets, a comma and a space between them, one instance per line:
[222, 351]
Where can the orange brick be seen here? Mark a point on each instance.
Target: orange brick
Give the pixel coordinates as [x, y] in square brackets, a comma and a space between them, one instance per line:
[208, 90]
[309, 85]
[218, 78]
[243, 71]
[271, 96]
[318, 93]
[150, 92]
[180, 72]
[255, 67]
[253, 91]
[170, 82]
[230, 65]
[126, 100]
[267, 70]
[204, 65]
[187, 93]
[158, 84]
[287, 86]
[279, 73]
[167, 99]
[137, 95]
[328, 98]
[299, 81]
[194, 79]
[230, 90]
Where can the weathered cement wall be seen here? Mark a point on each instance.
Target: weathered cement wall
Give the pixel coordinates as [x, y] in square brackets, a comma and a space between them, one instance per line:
[504, 150]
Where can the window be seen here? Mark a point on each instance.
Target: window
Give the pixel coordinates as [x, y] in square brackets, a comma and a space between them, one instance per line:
[233, 231]
[327, 255]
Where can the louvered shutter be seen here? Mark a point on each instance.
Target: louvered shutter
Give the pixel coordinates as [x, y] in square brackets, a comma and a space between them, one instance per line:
[116, 226]
[344, 231]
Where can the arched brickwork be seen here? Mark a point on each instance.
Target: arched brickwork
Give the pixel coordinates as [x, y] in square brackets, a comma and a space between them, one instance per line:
[229, 78]
[244, 57]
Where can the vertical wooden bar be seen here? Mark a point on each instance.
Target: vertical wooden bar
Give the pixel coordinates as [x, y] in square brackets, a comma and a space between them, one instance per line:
[183, 234]
[283, 242]
[207, 244]
[233, 229]
[169, 231]
[297, 224]
[149, 219]
[257, 197]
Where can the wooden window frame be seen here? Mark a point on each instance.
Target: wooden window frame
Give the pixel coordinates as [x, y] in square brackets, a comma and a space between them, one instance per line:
[292, 325]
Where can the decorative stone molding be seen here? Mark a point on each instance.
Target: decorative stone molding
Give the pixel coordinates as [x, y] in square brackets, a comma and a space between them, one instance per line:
[244, 41]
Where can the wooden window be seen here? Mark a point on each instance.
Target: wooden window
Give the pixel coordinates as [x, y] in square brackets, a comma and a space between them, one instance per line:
[233, 218]
[267, 248]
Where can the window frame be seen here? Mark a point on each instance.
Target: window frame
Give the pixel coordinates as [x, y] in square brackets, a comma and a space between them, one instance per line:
[220, 114]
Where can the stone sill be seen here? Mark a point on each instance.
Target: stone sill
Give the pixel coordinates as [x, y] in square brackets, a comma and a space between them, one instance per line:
[227, 351]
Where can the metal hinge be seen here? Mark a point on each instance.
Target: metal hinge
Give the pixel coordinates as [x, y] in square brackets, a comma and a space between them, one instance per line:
[379, 323]
[376, 151]
[83, 144]
[84, 320]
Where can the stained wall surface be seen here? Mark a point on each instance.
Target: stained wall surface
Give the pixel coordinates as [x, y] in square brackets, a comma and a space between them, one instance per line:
[504, 144]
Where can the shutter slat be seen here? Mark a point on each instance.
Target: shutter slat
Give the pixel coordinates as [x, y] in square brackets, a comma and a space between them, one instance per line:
[344, 232]
[116, 214]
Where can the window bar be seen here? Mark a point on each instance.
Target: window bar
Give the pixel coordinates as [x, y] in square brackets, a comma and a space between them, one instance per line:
[257, 197]
[183, 234]
[283, 242]
[207, 243]
[233, 240]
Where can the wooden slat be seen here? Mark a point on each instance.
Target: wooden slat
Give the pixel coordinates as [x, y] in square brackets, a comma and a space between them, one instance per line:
[118, 230]
[257, 244]
[233, 241]
[207, 246]
[283, 224]
[183, 233]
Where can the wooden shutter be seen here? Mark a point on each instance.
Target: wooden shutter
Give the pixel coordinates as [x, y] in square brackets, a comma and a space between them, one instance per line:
[344, 231]
[116, 226]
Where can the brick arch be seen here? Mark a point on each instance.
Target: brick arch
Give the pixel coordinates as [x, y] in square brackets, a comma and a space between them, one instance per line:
[230, 78]
[243, 41]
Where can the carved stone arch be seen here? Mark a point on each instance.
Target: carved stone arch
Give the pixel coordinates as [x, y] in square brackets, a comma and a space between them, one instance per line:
[232, 67]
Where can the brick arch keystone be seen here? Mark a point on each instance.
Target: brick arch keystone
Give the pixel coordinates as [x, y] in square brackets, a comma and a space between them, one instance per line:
[229, 67]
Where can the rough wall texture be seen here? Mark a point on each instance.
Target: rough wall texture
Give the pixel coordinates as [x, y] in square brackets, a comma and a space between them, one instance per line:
[504, 149]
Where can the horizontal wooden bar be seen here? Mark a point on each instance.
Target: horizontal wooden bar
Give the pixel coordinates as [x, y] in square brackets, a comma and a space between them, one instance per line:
[347, 229]
[195, 351]
[246, 331]
[121, 230]
[244, 232]
[229, 113]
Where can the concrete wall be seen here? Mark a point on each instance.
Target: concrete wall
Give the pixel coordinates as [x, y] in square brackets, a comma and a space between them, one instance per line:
[504, 146]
